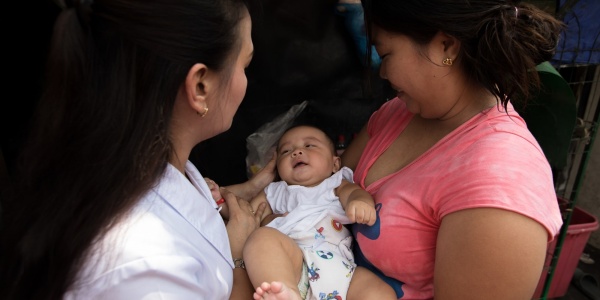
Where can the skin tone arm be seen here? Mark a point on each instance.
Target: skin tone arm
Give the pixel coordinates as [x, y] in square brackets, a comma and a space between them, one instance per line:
[239, 227]
[352, 153]
[358, 204]
[488, 253]
[247, 190]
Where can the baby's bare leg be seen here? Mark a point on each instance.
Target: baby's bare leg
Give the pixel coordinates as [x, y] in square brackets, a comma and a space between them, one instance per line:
[366, 285]
[270, 256]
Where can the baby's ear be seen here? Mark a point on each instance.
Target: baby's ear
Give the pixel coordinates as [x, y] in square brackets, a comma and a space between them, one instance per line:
[337, 163]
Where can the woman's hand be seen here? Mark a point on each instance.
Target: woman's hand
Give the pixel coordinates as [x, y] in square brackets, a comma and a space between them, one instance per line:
[264, 176]
[242, 221]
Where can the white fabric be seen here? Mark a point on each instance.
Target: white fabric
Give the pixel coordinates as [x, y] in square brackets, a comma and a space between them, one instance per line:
[173, 245]
[330, 263]
[306, 205]
[314, 222]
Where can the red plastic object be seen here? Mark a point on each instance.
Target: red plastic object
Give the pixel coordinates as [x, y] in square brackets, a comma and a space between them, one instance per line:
[578, 233]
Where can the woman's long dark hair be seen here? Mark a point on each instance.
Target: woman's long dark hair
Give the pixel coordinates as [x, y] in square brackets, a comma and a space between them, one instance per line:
[101, 136]
[502, 40]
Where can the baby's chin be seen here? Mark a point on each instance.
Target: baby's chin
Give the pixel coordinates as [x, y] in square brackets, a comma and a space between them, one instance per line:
[306, 183]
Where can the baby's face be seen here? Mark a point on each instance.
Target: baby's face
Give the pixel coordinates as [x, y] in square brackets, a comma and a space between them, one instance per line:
[305, 157]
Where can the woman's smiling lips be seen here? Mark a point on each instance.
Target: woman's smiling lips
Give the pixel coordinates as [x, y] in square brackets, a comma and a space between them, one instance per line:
[399, 92]
[400, 95]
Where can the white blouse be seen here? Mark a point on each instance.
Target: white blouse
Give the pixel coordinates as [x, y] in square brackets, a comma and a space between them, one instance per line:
[173, 245]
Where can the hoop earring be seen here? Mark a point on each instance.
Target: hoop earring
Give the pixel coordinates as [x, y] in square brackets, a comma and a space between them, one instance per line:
[447, 61]
[203, 114]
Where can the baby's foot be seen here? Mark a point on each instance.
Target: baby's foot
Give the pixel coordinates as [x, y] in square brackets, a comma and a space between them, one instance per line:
[275, 291]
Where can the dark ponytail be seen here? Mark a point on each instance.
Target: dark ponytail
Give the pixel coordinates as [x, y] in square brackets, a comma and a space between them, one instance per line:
[101, 137]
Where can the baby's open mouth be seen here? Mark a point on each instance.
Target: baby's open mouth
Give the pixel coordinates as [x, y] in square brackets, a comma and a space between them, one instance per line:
[298, 164]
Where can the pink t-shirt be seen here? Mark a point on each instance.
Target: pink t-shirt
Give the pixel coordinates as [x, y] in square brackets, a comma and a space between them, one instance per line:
[490, 161]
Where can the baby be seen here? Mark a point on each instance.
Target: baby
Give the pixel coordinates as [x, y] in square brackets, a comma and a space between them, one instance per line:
[304, 249]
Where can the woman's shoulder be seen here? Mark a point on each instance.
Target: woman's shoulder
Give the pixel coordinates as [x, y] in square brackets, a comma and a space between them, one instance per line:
[392, 108]
[391, 117]
[494, 124]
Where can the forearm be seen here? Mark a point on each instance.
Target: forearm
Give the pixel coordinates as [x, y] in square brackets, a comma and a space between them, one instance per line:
[361, 195]
[246, 190]
[242, 287]
[354, 193]
[249, 189]
[242, 222]
[358, 204]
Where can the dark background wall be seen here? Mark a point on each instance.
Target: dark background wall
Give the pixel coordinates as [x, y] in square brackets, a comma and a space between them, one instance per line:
[303, 51]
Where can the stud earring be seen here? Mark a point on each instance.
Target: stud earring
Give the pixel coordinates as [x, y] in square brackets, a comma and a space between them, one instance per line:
[447, 61]
[203, 114]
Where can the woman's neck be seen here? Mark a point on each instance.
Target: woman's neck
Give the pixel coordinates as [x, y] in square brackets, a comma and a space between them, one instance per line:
[470, 103]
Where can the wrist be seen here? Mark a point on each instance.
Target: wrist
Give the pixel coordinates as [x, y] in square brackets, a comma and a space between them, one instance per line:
[254, 187]
[249, 189]
[239, 263]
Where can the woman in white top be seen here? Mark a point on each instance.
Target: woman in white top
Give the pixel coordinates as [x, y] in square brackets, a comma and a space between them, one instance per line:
[108, 204]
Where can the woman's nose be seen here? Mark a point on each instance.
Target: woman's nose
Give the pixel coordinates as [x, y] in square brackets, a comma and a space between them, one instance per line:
[382, 71]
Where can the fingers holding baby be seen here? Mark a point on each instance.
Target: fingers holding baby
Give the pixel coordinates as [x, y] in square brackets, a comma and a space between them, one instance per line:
[243, 220]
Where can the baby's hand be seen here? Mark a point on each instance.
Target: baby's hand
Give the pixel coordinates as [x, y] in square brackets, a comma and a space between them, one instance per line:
[214, 189]
[361, 212]
[216, 195]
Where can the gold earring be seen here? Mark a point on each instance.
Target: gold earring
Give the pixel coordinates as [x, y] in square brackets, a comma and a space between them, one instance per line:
[447, 61]
[203, 114]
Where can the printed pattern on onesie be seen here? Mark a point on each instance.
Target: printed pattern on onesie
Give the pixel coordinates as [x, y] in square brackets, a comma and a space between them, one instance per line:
[329, 260]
